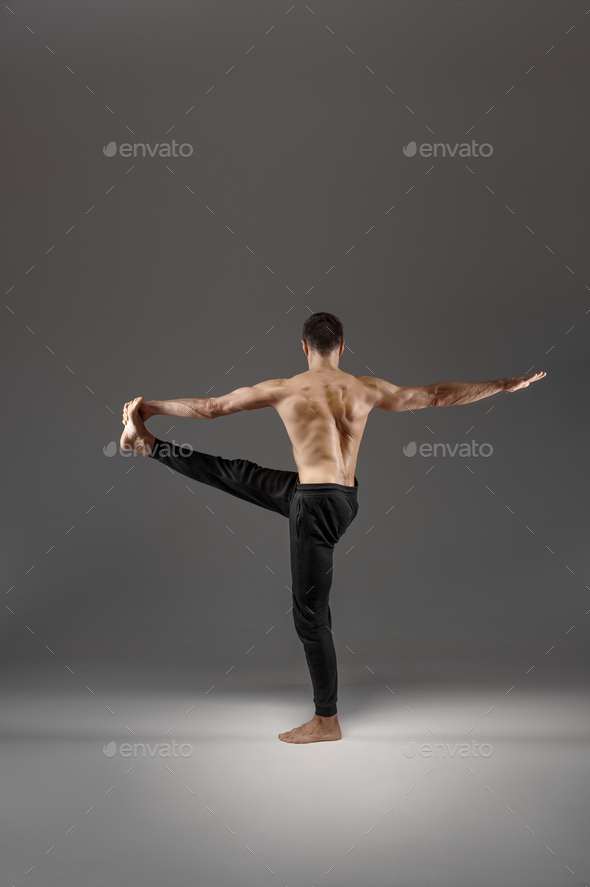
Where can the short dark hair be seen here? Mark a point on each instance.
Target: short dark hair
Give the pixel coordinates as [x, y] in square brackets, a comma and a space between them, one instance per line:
[323, 332]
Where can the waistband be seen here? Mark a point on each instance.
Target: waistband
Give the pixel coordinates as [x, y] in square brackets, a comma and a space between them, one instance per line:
[326, 488]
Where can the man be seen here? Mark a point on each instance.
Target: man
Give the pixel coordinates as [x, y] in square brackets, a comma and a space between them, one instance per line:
[324, 411]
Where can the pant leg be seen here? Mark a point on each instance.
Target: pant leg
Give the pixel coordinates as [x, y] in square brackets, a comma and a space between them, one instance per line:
[316, 523]
[267, 487]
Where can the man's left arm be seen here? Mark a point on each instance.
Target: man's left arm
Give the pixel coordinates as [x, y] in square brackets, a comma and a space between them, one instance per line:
[264, 394]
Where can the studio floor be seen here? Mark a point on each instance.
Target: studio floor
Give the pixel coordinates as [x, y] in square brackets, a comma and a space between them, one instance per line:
[440, 785]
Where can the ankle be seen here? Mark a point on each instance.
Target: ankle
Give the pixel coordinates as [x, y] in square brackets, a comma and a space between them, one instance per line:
[145, 443]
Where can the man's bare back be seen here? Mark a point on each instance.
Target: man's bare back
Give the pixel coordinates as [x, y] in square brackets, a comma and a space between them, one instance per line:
[325, 413]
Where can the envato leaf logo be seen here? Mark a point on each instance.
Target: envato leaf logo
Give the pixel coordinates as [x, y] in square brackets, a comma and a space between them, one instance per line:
[409, 751]
[142, 149]
[138, 749]
[185, 449]
[464, 450]
[439, 149]
[444, 749]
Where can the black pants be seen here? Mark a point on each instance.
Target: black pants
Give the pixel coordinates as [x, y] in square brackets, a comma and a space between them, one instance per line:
[319, 514]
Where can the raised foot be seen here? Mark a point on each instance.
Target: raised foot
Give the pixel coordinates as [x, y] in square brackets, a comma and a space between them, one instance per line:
[135, 436]
[319, 729]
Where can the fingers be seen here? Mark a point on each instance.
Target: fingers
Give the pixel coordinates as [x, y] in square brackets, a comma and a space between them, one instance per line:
[134, 406]
[525, 381]
[534, 377]
[131, 404]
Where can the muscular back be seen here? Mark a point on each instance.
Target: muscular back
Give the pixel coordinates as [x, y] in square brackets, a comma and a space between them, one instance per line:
[325, 412]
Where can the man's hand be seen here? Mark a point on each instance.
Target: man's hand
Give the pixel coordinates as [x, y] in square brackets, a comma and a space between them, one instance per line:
[522, 381]
[144, 411]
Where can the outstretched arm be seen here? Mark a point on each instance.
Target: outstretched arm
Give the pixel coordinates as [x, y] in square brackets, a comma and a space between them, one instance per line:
[248, 398]
[386, 396]
[191, 407]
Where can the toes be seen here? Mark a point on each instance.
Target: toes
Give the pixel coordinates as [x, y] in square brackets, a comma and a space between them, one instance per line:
[287, 737]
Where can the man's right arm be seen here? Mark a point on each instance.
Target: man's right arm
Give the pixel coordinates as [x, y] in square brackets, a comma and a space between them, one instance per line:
[386, 396]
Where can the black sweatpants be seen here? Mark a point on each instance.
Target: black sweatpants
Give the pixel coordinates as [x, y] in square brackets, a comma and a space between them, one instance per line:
[319, 515]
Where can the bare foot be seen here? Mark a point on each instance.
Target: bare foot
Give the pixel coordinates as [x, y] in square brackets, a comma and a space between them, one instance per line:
[319, 729]
[136, 436]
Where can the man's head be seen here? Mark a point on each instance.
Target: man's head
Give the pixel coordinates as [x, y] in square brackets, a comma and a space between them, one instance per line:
[323, 334]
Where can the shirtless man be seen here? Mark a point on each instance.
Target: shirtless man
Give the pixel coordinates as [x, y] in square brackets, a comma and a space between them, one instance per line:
[325, 411]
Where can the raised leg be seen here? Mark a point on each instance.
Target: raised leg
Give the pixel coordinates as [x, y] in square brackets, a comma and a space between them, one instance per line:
[267, 487]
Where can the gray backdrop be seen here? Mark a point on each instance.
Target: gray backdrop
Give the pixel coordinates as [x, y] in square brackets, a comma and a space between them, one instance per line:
[176, 277]
[299, 151]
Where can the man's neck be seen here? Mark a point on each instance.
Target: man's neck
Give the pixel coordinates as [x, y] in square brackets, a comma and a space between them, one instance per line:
[321, 365]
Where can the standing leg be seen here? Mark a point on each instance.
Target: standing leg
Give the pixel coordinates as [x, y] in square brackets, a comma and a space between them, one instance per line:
[320, 515]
